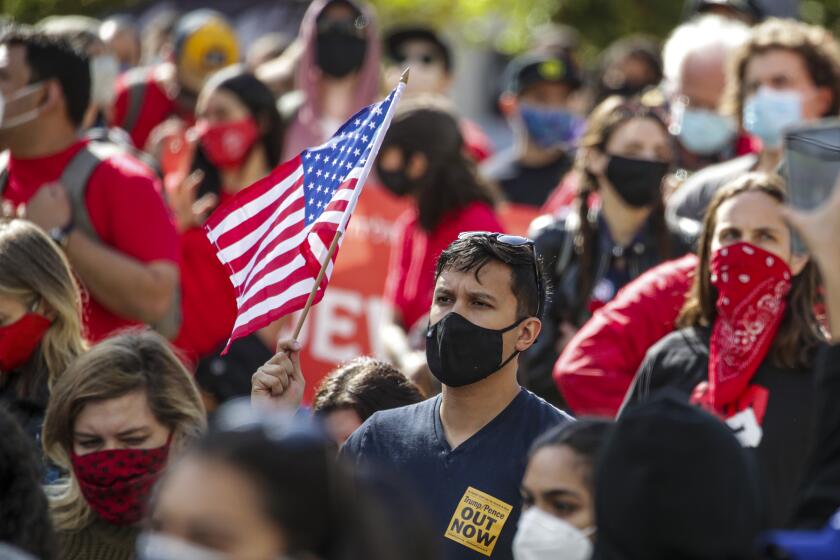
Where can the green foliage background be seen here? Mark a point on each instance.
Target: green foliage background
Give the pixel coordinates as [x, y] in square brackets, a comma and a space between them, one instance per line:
[507, 24]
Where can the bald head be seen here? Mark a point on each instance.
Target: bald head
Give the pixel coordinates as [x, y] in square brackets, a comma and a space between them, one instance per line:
[703, 77]
[123, 39]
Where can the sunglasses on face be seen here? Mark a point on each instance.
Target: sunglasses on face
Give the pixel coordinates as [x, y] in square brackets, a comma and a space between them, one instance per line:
[513, 241]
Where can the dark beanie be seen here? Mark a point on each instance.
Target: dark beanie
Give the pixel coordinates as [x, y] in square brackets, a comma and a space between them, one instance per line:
[674, 484]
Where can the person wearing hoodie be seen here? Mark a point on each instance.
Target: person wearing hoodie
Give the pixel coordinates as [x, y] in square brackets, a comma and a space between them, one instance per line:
[746, 350]
[338, 72]
[672, 483]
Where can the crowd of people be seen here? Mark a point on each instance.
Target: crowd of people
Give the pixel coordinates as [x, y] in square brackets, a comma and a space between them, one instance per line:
[649, 374]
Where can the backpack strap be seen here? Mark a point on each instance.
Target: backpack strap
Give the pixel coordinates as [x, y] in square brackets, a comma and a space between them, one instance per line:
[76, 176]
[136, 91]
[75, 179]
[4, 170]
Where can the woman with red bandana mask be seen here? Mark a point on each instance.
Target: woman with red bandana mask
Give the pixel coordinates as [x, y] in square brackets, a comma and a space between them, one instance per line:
[746, 350]
[114, 419]
[40, 321]
[238, 137]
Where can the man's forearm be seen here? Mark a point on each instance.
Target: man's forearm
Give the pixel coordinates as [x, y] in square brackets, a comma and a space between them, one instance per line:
[123, 285]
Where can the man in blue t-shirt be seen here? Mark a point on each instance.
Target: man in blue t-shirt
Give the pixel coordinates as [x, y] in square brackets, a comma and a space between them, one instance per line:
[465, 451]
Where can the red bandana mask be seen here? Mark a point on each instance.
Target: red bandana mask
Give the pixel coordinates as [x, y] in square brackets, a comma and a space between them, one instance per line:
[19, 340]
[227, 145]
[752, 286]
[116, 483]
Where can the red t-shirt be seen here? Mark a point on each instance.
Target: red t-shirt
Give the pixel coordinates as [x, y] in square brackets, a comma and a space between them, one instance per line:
[414, 253]
[208, 300]
[157, 105]
[126, 209]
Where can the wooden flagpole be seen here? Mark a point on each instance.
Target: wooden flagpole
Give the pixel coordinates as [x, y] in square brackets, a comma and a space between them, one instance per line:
[318, 280]
[330, 253]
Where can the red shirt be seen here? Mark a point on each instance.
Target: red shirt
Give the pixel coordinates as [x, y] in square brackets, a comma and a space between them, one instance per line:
[126, 209]
[208, 300]
[157, 106]
[414, 253]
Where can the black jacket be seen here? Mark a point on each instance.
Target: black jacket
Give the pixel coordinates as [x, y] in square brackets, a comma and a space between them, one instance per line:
[681, 360]
[555, 245]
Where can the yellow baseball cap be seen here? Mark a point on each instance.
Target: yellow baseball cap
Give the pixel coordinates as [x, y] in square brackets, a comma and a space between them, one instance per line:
[204, 43]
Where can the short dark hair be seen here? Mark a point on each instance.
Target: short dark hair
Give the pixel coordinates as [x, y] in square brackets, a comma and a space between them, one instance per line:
[474, 252]
[52, 57]
[365, 385]
[585, 437]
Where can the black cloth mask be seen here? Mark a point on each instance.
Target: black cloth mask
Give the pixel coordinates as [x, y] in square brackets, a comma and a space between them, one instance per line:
[460, 352]
[637, 181]
[339, 53]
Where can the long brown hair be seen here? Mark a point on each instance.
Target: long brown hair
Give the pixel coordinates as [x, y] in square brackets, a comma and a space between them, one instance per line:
[135, 360]
[800, 331]
[604, 120]
[33, 270]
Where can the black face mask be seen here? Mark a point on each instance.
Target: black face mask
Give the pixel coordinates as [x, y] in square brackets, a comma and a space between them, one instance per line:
[339, 53]
[460, 353]
[637, 181]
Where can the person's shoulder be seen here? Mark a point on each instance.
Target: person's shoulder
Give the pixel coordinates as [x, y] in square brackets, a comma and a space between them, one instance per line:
[386, 429]
[719, 173]
[500, 167]
[119, 161]
[681, 344]
[543, 411]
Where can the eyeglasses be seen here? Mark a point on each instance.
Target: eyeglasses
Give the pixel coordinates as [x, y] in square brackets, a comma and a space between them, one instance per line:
[513, 241]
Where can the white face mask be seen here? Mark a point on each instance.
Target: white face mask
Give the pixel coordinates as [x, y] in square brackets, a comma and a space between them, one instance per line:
[23, 118]
[158, 546]
[104, 71]
[542, 536]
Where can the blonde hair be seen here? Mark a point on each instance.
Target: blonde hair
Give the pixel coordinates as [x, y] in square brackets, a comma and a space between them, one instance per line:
[34, 270]
[135, 360]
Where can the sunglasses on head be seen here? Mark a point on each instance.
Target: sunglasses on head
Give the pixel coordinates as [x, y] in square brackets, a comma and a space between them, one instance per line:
[513, 241]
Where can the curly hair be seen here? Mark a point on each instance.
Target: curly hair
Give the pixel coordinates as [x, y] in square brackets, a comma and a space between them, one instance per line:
[24, 514]
[816, 46]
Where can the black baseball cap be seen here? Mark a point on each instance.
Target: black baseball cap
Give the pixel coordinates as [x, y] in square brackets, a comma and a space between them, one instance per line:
[534, 67]
[397, 36]
[750, 8]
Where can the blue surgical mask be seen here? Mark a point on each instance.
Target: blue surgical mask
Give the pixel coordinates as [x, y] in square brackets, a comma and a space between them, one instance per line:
[705, 132]
[549, 128]
[768, 112]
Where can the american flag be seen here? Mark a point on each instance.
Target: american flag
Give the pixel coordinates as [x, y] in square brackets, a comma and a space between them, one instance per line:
[274, 235]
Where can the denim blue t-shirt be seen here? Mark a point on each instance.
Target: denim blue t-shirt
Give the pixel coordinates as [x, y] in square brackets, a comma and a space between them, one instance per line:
[473, 490]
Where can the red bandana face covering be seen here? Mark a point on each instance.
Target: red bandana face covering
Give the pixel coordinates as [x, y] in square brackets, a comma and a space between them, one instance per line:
[228, 144]
[19, 340]
[752, 286]
[116, 483]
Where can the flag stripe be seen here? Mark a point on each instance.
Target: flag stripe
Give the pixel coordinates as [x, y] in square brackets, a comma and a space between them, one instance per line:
[273, 236]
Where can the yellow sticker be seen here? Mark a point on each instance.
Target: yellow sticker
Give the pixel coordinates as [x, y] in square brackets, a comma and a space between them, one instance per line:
[478, 521]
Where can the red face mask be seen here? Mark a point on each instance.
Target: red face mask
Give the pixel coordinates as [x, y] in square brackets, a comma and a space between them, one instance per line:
[116, 483]
[228, 144]
[752, 287]
[19, 340]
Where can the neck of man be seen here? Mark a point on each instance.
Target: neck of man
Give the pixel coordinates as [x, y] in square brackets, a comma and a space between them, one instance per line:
[768, 160]
[337, 95]
[465, 410]
[623, 221]
[531, 155]
[255, 168]
[42, 138]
